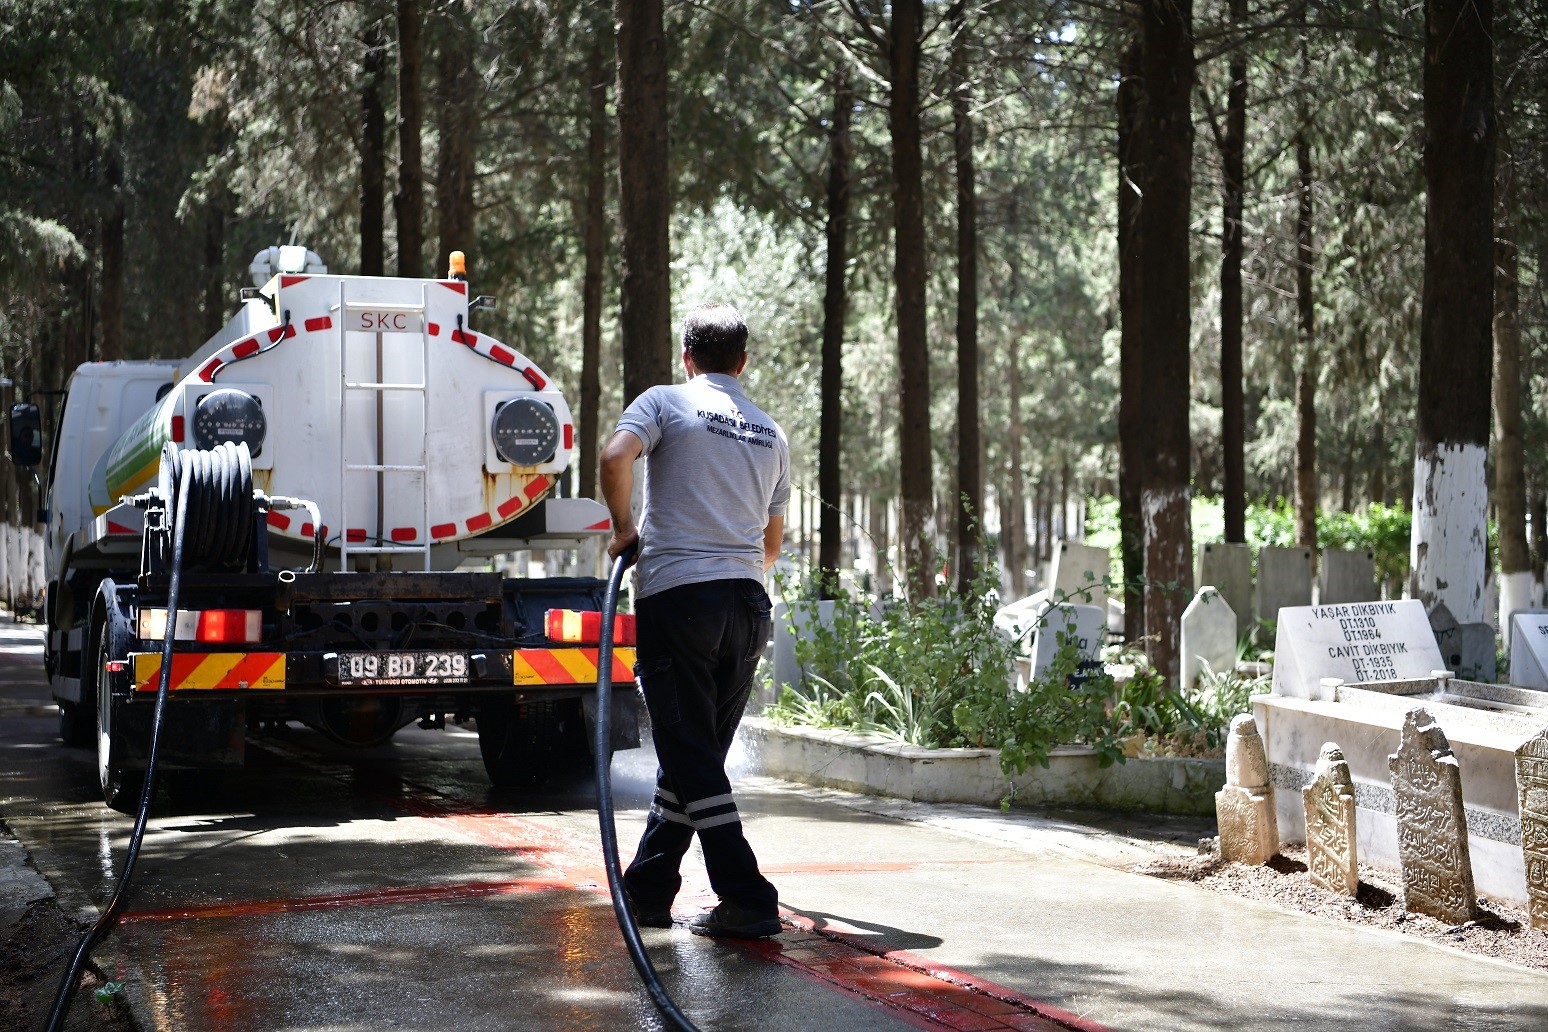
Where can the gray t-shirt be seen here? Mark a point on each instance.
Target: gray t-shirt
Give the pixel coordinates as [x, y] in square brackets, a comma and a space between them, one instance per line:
[716, 468]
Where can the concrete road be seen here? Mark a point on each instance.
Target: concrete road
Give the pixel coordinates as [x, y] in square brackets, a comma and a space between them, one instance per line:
[327, 889]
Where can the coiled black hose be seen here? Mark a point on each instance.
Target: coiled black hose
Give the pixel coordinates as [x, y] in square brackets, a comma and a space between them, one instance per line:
[603, 752]
[204, 491]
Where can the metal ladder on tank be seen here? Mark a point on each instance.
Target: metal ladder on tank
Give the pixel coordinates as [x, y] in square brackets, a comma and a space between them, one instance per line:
[416, 471]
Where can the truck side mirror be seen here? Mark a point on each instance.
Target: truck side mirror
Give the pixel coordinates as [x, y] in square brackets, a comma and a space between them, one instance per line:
[26, 435]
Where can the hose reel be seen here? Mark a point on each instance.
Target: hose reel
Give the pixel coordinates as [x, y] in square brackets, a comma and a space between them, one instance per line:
[220, 507]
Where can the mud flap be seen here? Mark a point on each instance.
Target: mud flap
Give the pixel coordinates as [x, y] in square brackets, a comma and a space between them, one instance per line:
[196, 734]
[623, 717]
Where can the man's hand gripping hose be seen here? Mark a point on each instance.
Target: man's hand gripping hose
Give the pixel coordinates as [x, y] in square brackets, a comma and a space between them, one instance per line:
[603, 753]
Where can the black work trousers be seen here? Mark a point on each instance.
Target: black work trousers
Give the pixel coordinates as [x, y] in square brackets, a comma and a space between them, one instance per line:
[698, 647]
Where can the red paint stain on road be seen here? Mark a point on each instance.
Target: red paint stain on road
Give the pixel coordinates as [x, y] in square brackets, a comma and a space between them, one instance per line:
[925, 994]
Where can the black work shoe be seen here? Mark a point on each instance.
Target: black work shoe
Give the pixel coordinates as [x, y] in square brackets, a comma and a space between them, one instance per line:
[650, 918]
[732, 922]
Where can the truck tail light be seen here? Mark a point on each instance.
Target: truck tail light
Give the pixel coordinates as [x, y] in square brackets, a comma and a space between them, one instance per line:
[584, 627]
[226, 626]
[230, 625]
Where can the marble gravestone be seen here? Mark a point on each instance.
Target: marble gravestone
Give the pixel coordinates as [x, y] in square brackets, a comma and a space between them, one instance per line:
[1208, 636]
[1354, 642]
[1345, 575]
[1284, 580]
[1529, 650]
[1228, 566]
[1467, 649]
[1431, 824]
[1332, 859]
[1079, 574]
[1084, 626]
[1532, 796]
[1244, 808]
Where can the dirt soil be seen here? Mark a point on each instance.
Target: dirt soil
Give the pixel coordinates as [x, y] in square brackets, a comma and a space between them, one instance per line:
[32, 961]
[1501, 930]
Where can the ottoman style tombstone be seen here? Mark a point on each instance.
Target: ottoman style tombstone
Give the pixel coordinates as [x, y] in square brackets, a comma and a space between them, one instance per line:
[1532, 786]
[1431, 826]
[1331, 858]
[1244, 808]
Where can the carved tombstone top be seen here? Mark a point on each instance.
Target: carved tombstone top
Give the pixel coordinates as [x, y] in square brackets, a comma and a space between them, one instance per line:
[1431, 824]
[1331, 853]
[1334, 769]
[1246, 762]
[1532, 785]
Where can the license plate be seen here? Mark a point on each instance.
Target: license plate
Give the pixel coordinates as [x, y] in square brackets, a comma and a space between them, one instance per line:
[403, 668]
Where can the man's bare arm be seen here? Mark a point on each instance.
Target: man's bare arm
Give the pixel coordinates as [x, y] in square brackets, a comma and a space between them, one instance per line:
[618, 488]
[773, 537]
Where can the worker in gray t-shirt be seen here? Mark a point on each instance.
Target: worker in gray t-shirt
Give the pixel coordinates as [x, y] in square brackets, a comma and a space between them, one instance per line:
[717, 480]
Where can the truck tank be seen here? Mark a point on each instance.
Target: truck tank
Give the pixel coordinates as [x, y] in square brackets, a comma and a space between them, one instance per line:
[375, 399]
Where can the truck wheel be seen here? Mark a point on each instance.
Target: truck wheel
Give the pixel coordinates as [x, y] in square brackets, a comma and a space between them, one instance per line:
[526, 744]
[121, 787]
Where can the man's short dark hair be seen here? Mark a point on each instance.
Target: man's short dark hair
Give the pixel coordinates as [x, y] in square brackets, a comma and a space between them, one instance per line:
[716, 337]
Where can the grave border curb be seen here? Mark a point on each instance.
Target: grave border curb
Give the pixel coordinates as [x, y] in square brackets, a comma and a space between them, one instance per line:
[876, 765]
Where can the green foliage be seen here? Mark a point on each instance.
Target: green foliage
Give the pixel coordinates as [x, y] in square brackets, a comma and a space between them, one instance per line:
[937, 675]
[900, 673]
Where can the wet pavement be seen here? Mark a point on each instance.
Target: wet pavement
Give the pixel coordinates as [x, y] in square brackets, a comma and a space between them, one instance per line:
[322, 888]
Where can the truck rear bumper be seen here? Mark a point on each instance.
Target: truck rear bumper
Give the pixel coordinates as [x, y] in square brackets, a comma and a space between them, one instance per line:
[319, 673]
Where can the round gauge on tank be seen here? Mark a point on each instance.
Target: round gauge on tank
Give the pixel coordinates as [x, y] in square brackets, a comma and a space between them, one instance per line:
[231, 415]
[525, 432]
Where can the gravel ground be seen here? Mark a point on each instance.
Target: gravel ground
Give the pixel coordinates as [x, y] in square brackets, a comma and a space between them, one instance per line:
[1501, 930]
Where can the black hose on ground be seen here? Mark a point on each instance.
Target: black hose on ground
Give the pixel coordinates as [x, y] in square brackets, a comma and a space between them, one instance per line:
[603, 752]
[209, 485]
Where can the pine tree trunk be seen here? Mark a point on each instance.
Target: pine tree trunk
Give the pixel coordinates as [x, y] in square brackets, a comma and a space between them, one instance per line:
[970, 489]
[1509, 455]
[643, 196]
[916, 531]
[595, 238]
[1131, 392]
[1450, 538]
[1168, 64]
[1013, 523]
[455, 155]
[1539, 509]
[835, 306]
[373, 151]
[1306, 371]
[1378, 487]
[112, 285]
[409, 204]
[1233, 434]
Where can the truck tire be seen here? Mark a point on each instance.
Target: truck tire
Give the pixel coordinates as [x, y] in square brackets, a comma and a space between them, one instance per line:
[526, 744]
[121, 786]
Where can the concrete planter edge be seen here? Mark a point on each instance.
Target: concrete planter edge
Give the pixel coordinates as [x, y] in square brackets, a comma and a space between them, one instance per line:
[879, 766]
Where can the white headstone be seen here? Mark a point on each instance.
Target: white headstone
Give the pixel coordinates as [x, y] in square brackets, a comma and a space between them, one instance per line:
[1529, 650]
[794, 621]
[1228, 566]
[1083, 625]
[1078, 574]
[1208, 636]
[1284, 579]
[1017, 619]
[1353, 642]
[1346, 576]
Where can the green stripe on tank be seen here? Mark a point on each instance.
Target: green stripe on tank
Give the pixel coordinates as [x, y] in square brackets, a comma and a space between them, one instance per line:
[140, 446]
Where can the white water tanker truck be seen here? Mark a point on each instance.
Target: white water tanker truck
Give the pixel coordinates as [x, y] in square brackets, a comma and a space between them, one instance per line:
[349, 447]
